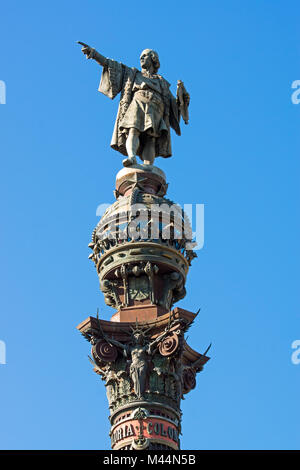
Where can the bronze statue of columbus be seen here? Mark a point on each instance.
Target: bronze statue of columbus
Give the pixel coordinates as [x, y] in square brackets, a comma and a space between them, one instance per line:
[147, 107]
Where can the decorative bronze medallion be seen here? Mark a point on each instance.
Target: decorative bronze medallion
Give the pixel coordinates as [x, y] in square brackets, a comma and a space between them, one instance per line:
[104, 352]
[169, 345]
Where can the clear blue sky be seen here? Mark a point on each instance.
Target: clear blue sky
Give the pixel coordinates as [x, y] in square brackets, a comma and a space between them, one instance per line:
[239, 156]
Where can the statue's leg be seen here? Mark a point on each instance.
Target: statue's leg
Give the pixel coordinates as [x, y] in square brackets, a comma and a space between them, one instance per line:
[132, 145]
[148, 155]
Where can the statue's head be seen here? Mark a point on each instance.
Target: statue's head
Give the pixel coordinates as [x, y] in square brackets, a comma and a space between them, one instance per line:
[138, 337]
[149, 57]
[139, 333]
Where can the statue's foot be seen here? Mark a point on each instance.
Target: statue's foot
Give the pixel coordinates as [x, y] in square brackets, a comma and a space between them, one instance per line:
[129, 161]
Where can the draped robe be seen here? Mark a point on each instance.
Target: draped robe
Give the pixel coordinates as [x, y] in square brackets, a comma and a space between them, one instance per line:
[118, 78]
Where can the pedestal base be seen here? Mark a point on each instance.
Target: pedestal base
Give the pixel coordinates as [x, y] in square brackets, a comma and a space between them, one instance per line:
[139, 313]
[147, 368]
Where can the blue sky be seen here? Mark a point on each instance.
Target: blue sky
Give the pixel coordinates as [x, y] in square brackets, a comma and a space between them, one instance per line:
[239, 156]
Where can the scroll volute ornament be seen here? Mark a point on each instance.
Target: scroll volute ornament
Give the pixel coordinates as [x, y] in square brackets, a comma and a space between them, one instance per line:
[169, 344]
[102, 351]
[188, 380]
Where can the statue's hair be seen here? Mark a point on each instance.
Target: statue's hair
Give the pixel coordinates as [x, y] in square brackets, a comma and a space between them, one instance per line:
[155, 59]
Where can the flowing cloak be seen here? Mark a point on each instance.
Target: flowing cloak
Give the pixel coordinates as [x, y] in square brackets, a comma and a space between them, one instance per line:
[118, 78]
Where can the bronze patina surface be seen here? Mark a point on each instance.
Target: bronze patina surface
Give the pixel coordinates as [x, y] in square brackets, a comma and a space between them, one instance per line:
[142, 249]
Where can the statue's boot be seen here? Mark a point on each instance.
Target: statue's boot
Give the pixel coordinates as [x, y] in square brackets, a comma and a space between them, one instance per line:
[129, 161]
